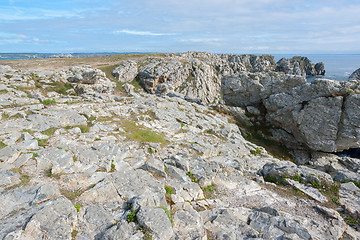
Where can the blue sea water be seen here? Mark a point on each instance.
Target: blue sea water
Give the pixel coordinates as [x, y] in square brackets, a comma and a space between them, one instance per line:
[337, 66]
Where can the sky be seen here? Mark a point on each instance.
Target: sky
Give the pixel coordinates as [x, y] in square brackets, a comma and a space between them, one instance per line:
[217, 26]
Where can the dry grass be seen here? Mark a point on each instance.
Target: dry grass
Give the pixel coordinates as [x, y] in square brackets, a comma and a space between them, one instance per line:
[56, 64]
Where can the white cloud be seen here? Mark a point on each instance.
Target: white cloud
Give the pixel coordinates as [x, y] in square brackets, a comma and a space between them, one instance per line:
[202, 40]
[143, 33]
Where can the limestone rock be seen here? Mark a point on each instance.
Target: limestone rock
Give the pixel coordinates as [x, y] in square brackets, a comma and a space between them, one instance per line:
[156, 221]
[126, 72]
[92, 81]
[355, 75]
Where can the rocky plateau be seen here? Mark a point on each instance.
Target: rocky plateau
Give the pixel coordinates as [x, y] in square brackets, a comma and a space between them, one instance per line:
[179, 146]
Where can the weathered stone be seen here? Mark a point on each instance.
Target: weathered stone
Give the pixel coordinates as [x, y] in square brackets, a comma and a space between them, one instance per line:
[310, 191]
[282, 169]
[350, 198]
[126, 72]
[355, 75]
[156, 221]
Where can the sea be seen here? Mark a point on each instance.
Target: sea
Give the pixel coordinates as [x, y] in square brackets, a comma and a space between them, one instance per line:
[337, 66]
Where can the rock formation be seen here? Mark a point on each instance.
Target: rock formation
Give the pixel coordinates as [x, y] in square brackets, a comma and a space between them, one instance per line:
[80, 161]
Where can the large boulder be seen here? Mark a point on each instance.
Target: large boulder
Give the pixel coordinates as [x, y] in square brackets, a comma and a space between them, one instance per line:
[244, 88]
[321, 115]
[92, 81]
[355, 75]
[126, 72]
[300, 66]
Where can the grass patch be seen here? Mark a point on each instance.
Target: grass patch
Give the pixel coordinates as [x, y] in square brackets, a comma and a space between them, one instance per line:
[141, 134]
[71, 194]
[28, 131]
[330, 191]
[108, 71]
[42, 142]
[136, 83]
[24, 179]
[168, 192]
[83, 128]
[49, 131]
[257, 135]
[132, 216]
[209, 190]
[192, 177]
[256, 151]
[60, 87]
[49, 102]
[3, 91]
[355, 182]
[2, 145]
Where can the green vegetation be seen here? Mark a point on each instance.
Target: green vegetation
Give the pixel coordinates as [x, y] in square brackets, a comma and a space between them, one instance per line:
[136, 83]
[168, 214]
[355, 182]
[49, 131]
[74, 234]
[2, 145]
[8, 76]
[108, 71]
[141, 134]
[3, 91]
[60, 87]
[42, 142]
[71, 194]
[77, 206]
[48, 173]
[49, 102]
[256, 151]
[24, 179]
[83, 128]
[192, 177]
[147, 235]
[132, 216]
[28, 131]
[112, 166]
[151, 151]
[330, 191]
[168, 191]
[209, 190]
[351, 221]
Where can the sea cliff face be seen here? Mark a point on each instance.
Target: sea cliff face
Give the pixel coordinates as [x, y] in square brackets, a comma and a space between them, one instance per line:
[169, 148]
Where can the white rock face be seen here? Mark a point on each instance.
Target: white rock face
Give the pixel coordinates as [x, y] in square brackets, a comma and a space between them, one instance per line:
[104, 166]
[126, 72]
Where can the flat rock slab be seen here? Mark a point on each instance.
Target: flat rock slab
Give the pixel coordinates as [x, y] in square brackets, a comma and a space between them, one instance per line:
[310, 191]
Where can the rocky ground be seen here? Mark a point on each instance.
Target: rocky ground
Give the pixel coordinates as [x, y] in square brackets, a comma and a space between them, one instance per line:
[86, 153]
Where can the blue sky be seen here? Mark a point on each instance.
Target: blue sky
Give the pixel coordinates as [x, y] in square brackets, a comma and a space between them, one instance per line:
[218, 26]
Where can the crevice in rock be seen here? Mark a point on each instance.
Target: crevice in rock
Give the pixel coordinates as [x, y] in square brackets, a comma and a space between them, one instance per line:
[341, 121]
[352, 152]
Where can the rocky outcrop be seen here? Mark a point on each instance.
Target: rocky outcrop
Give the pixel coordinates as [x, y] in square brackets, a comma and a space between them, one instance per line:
[126, 72]
[92, 81]
[199, 75]
[102, 166]
[355, 75]
[246, 89]
[300, 66]
[317, 114]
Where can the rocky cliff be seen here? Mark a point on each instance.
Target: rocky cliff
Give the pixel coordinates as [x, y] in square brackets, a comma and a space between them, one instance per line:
[87, 154]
